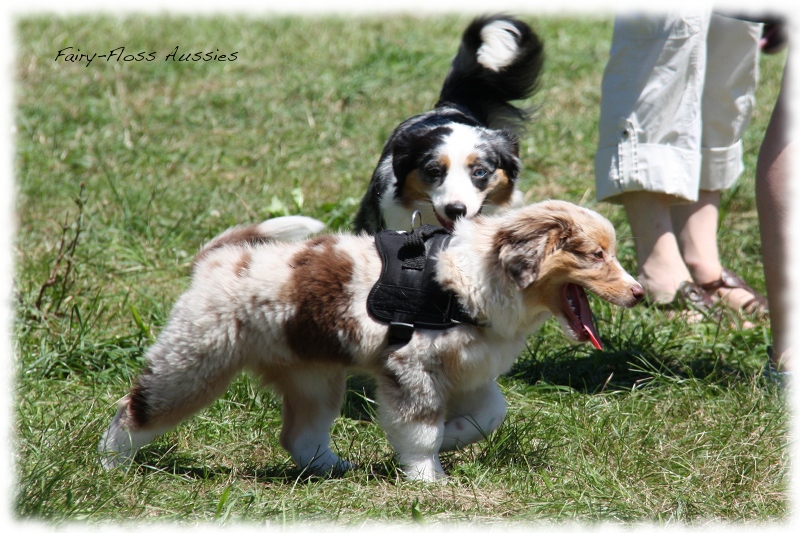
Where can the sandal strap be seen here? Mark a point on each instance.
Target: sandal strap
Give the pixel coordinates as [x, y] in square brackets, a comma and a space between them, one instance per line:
[691, 298]
[752, 305]
[688, 295]
[727, 280]
[731, 280]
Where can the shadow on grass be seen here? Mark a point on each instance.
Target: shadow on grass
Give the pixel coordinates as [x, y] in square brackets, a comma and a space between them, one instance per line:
[645, 347]
[621, 368]
[164, 460]
[359, 401]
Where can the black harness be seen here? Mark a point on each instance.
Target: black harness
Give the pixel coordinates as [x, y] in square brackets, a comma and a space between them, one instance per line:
[406, 295]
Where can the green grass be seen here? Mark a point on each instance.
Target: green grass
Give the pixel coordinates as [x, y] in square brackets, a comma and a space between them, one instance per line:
[132, 166]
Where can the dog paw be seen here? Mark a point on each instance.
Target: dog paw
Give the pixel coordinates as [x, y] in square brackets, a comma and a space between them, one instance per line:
[427, 477]
[327, 463]
[341, 467]
[429, 471]
[111, 460]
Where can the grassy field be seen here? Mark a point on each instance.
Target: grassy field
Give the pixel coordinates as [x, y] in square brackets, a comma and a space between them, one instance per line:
[125, 168]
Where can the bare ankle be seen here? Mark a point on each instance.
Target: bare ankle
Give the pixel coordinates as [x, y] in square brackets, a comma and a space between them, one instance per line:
[660, 290]
[704, 273]
[661, 280]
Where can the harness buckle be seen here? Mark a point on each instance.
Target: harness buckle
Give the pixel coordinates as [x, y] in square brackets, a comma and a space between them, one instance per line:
[400, 332]
[416, 215]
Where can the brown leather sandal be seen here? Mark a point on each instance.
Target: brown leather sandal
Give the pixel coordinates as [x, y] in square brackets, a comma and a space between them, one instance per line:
[692, 301]
[756, 306]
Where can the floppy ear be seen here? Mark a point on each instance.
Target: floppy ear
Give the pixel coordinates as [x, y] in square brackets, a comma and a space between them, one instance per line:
[508, 152]
[523, 246]
[411, 147]
[405, 157]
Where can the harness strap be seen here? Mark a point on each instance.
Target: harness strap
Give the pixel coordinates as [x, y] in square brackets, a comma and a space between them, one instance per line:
[407, 295]
[414, 249]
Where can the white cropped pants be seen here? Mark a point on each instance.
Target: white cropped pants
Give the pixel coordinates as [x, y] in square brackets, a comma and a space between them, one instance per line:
[677, 94]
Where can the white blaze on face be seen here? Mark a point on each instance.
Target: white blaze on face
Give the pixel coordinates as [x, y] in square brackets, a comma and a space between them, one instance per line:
[499, 46]
[457, 188]
[610, 230]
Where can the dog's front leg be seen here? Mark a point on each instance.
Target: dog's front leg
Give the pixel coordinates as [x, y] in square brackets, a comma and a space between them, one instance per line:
[411, 411]
[473, 415]
[417, 445]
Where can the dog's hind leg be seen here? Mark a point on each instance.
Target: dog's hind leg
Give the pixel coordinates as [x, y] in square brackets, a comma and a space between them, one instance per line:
[472, 416]
[312, 399]
[174, 386]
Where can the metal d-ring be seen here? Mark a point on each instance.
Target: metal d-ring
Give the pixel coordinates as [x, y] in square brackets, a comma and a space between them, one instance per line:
[416, 215]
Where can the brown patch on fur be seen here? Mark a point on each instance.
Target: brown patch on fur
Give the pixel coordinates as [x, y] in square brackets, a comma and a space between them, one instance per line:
[522, 248]
[318, 290]
[137, 402]
[256, 302]
[603, 239]
[414, 189]
[240, 235]
[243, 264]
[545, 291]
[500, 190]
[321, 240]
[151, 406]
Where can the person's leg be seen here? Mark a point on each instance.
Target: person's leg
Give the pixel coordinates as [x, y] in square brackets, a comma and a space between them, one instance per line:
[661, 269]
[696, 225]
[772, 173]
[727, 105]
[650, 136]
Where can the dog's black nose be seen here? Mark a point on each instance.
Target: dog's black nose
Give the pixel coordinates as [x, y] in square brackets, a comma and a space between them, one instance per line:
[454, 211]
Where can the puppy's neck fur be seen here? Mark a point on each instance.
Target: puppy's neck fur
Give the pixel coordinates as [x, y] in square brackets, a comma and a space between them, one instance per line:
[470, 268]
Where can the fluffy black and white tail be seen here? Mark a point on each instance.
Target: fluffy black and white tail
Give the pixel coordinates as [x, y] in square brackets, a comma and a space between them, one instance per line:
[499, 61]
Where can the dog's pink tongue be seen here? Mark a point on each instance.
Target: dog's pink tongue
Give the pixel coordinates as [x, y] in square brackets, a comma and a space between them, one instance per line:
[593, 337]
[586, 319]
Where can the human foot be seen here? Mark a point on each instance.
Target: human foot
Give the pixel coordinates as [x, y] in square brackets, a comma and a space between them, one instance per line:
[736, 294]
[690, 302]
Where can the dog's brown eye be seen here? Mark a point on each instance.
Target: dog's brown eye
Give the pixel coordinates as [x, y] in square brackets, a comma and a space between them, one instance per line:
[598, 255]
[433, 171]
